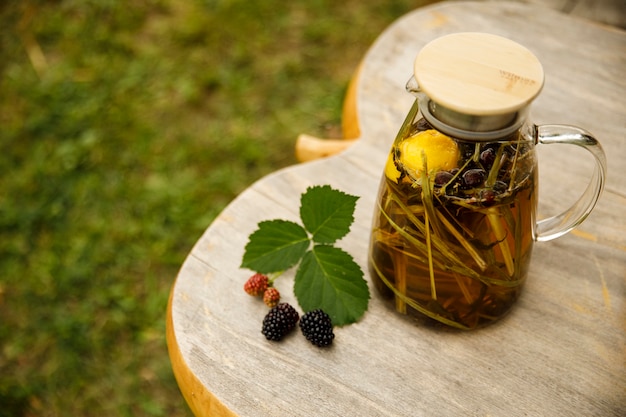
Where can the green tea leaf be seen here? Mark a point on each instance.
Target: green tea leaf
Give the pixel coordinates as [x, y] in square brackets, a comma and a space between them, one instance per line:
[275, 246]
[328, 278]
[327, 213]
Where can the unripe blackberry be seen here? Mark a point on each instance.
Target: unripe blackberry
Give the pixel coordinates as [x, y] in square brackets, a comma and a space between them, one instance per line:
[317, 327]
[256, 284]
[271, 297]
[279, 321]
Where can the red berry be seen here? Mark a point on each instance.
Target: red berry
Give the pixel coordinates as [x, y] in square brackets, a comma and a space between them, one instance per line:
[256, 284]
[271, 297]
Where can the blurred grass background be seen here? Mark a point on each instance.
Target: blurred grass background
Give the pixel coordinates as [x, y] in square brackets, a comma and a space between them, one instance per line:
[125, 127]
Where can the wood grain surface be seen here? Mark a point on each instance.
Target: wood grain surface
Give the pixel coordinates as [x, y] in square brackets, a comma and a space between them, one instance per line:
[560, 352]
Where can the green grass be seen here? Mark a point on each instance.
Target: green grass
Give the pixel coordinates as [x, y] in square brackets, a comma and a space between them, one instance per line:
[119, 143]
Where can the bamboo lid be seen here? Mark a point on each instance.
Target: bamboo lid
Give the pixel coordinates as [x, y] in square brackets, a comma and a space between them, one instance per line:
[478, 73]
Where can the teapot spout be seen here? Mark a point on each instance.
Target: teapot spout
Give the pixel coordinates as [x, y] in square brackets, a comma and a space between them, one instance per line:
[412, 87]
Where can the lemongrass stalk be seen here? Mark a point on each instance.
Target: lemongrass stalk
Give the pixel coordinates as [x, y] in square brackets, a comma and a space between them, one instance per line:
[514, 167]
[427, 202]
[500, 234]
[458, 225]
[476, 155]
[427, 196]
[443, 257]
[449, 259]
[456, 266]
[495, 168]
[463, 287]
[468, 246]
[399, 263]
[518, 242]
[433, 290]
[415, 305]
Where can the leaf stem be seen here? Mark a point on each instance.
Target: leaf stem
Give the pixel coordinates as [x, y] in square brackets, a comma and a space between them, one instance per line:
[273, 276]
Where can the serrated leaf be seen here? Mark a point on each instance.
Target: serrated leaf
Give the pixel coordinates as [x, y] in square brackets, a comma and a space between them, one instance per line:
[275, 246]
[328, 278]
[327, 213]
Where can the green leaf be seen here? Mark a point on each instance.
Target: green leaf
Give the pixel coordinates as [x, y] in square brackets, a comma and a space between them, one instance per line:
[328, 278]
[275, 246]
[327, 213]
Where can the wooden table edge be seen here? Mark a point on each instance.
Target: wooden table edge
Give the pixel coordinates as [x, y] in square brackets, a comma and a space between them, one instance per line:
[198, 398]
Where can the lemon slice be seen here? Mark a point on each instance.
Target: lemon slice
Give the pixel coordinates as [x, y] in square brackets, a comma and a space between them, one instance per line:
[390, 169]
[440, 151]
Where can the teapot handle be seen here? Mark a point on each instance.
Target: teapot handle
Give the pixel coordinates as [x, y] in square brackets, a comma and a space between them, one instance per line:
[556, 226]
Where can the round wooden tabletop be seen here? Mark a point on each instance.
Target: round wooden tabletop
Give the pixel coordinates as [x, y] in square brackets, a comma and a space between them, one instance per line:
[562, 349]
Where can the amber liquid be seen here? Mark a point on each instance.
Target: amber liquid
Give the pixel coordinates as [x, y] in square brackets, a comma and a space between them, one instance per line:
[463, 263]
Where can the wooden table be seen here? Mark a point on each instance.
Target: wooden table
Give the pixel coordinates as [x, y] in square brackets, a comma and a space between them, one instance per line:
[560, 352]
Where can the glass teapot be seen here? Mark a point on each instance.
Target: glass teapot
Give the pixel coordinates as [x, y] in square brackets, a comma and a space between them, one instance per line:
[455, 220]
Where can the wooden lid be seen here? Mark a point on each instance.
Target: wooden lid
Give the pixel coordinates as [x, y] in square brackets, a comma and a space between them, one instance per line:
[478, 73]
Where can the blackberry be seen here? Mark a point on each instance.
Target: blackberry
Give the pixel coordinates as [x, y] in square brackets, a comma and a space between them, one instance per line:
[279, 321]
[317, 327]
